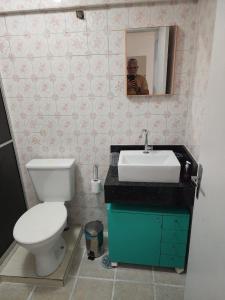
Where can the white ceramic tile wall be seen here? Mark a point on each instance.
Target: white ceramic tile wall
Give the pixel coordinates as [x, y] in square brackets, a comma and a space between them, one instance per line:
[205, 26]
[64, 85]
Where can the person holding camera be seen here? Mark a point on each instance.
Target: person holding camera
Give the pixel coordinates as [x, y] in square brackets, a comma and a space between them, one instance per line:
[136, 84]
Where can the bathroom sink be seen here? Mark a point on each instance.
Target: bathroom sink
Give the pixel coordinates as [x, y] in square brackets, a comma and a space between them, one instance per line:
[155, 166]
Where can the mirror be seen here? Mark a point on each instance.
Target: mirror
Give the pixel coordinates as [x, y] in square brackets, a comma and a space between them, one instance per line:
[150, 58]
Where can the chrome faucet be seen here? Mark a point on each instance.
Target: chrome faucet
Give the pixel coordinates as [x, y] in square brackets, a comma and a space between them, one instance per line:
[147, 147]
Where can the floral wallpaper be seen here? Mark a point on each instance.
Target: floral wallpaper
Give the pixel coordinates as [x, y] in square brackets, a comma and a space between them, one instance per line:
[63, 80]
[205, 26]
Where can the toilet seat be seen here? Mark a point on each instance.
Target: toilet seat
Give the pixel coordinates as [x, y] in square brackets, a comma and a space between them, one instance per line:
[40, 223]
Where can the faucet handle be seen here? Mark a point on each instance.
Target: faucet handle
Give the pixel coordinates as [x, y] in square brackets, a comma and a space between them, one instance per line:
[142, 132]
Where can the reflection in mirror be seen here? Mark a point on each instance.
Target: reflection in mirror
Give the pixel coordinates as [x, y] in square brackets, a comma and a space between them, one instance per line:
[150, 58]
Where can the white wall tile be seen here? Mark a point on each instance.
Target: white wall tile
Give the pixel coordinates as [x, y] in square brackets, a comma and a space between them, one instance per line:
[60, 66]
[117, 85]
[38, 46]
[58, 44]
[7, 68]
[20, 46]
[83, 105]
[3, 30]
[97, 42]
[119, 104]
[62, 87]
[84, 123]
[79, 66]
[73, 24]
[121, 139]
[139, 16]
[26, 88]
[41, 67]
[35, 23]
[99, 86]
[101, 105]
[118, 18]
[138, 106]
[158, 105]
[44, 87]
[4, 47]
[103, 141]
[65, 106]
[47, 107]
[81, 86]
[96, 20]
[157, 123]
[116, 42]
[176, 123]
[77, 43]
[23, 67]
[117, 64]
[15, 24]
[99, 65]
[55, 22]
[137, 123]
[102, 124]
[118, 124]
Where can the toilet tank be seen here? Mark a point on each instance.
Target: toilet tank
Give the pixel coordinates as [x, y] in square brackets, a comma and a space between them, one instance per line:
[53, 179]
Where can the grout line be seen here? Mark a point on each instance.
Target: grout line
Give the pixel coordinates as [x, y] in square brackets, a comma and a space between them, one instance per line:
[168, 284]
[114, 283]
[153, 275]
[96, 278]
[31, 293]
[76, 278]
[154, 292]
[129, 281]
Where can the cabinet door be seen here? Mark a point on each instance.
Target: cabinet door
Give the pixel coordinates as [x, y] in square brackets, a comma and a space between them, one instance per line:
[134, 237]
[11, 194]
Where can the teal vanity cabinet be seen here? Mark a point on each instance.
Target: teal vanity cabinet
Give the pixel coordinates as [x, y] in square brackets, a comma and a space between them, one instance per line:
[148, 236]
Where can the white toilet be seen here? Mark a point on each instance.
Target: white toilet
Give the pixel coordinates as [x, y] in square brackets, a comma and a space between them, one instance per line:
[39, 229]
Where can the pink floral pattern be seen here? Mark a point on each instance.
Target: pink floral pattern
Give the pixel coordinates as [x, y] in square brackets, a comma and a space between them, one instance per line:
[65, 86]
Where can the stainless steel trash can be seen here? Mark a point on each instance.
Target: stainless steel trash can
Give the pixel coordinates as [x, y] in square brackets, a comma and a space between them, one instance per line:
[94, 239]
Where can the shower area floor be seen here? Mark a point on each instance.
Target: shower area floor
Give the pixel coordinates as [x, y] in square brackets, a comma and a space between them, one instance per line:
[19, 266]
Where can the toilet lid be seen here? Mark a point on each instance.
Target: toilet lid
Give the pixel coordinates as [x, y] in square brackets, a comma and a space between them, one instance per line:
[40, 223]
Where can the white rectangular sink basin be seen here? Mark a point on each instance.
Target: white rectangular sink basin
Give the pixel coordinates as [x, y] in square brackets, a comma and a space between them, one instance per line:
[155, 166]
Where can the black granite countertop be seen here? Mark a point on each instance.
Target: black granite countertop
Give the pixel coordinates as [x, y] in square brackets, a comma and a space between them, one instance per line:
[168, 194]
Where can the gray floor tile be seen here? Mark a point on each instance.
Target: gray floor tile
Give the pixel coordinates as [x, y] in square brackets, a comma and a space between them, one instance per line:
[91, 289]
[14, 291]
[169, 293]
[134, 273]
[133, 291]
[94, 268]
[168, 276]
[56, 293]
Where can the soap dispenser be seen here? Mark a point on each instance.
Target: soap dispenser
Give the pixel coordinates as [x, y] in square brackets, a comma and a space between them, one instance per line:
[187, 171]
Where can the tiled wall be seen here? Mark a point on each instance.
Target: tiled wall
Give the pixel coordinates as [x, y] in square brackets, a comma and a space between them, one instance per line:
[205, 26]
[64, 85]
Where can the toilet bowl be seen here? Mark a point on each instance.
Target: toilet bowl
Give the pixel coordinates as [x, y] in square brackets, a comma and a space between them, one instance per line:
[39, 229]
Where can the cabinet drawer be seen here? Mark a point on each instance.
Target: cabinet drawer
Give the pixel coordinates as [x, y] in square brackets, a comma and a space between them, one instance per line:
[172, 261]
[173, 249]
[171, 236]
[176, 222]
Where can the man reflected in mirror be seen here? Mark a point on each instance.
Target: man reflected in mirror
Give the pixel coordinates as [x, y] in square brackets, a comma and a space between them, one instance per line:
[136, 83]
